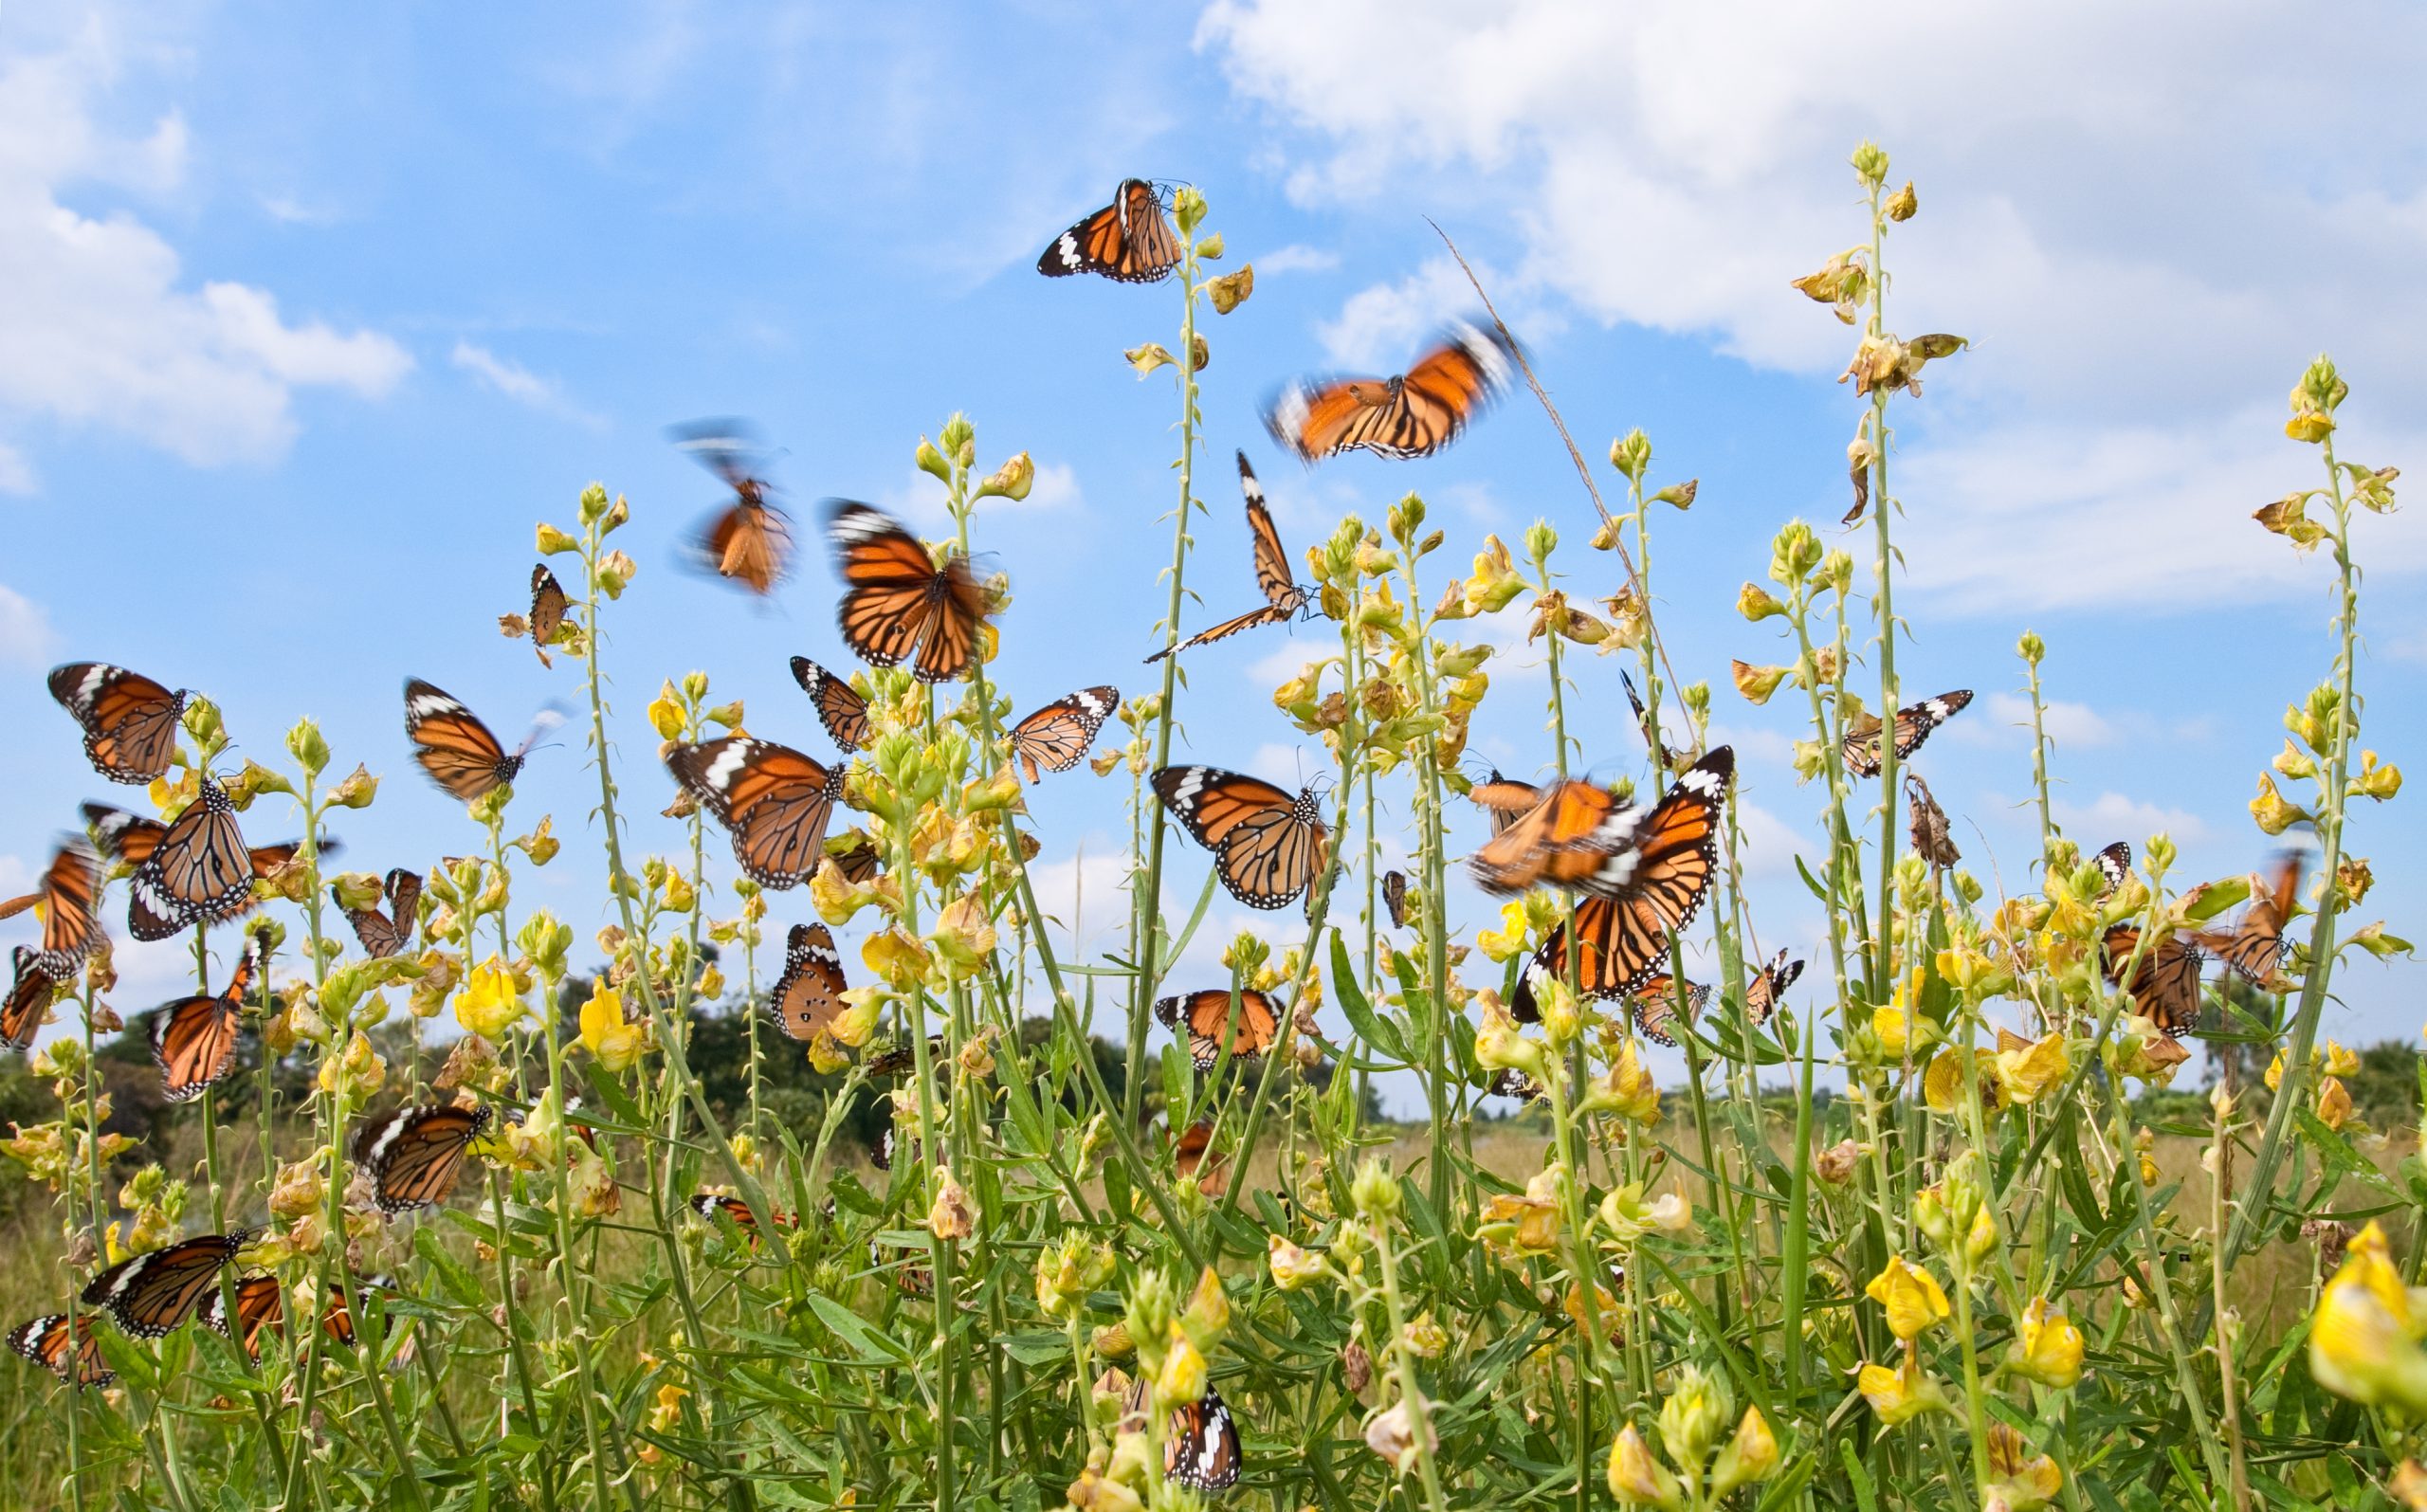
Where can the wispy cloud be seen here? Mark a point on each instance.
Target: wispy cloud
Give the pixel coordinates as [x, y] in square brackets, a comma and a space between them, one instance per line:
[2114, 816]
[25, 635]
[1297, 258]
[518, 383]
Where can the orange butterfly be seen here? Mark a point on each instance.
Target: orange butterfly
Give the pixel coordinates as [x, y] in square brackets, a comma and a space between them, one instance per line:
[1189, 1160]
[1505, 800]
[839, 707]
[1415, 415]
[1057, 736]
[193, 1039]
[1128, 240]
[260, 1303]
[1913, 726]
[384, 935]
[1200, 1440]
[774, 800]
[150, 1294]
[1660, 756]
[456, 749]
[810, 993]
[199, 871]
[1655, 1005]
[900, 602]
[855, 855]
[130, 839]
[1768, 987]
[1282, 596]
[66, 897]
[62, 1345]
[1579, 836]
[414, 1155]
[548, 606]
[2165, 986]
[750, 540]
[1395, 896]
[2255, 946]
[1205, 1015]
[29, 1002]
[130, 721]
[1267, 847]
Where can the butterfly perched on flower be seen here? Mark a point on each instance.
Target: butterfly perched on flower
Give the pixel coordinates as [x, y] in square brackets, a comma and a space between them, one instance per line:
[2165, 985]
[200, 871]
[810, 993]
[1267, 847]
[383, 934]
[1204, 1016]
[899, 604]
[750, 540]
[548, 606]
[1200, 1440]
[1581, 837]
[1190, 1163]
[839, 707]
[65, 898]
[1283, 597]
[1056, 737]
[261, 1304]
[150, 1294]
[456, 749]
[1130, 240]
[193, 1039]
[773, 799]
[1395, 896]
[414, 1155]
[129, 839]
[1413, 414]
[1913, 726]
[30, 995]
[130, 721]
[67, 1346]
[1767, 988]
[2254, 945]
[1656, 1006]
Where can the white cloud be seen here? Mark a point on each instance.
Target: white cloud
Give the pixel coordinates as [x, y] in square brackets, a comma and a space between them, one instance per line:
[2004, 719]
[26, 638]
[1086, 895]
[2113, 817]
[16, 473]
[919, 500]
[1380, 329]
[2119, 244]
[100, 327]
[1284, 766]
[1297, 258]
[517, 382]
[1770, 844]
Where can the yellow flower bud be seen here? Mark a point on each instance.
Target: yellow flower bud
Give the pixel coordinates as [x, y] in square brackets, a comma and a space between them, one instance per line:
[1636, 1478]
[1911, 1296]
[2046, 1348]
[1757, 683]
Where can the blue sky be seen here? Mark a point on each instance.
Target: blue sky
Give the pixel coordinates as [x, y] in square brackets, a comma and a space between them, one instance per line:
[313, 313]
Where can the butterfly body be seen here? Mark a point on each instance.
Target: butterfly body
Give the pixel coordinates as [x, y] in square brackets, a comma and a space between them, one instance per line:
[548, 606]
[130, 721]
[1413, 414]
[1395, 896]
[1128, 241]
[1267, 847]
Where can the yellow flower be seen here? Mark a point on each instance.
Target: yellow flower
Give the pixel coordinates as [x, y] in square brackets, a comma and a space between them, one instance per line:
[1752, 1455]
[2273, 810]
[1527, 1225]
[1899, 1396]
[1636, 1478]
[1757, 683]
[2029, 1482]
[617, 1043]
[1508, 942]
[2334, 1107]
[1911, 1296]
[1629, 1090]
[2410, 1486]
[1426, 1339]
[894, 956]
[963, 935]
[1293, 1269]
[489, 1002]
[2047, 1349]
[953, 1216]
[2026, 1070]
[1182, 1377]
[1942, 1084]
[665, 714]
[669, 1407]
[2340, 1061]
[2363, 1338]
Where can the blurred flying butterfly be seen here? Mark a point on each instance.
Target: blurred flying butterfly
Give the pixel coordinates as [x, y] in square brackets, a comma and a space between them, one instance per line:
[1282, 596]
[1650, 730]
[1767, 988]
[1267, 846]
[199, 871]
[774, 800]
[193, 1039]
[1200, 1440]
[1128, 240]
[65, 899]
[1503, 800]
[1625, 934]
[1395, 896]
[900, 602]
[130, 721]
[1204, 1015]
[456, 749]
[1913, 726]
[61, 1344]
[548, 606]
[810, 993]
[150, 1294]
[1189, 1160]
[749, 540]
[29, 998]
[711, 1206]
[1579, 836]
[1056, 736]
[2255, 946]
[130, 839]
[414, 1155]
[914, 1281]
[1415, 415]
[839, 707]
[1655, 1006]
[385, 934]
[1932, 840]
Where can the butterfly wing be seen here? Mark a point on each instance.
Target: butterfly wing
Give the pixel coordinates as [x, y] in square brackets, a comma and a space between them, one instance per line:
[2165, 986]
[1267, 846]
[414, 1155]
[774, 801]
[1913, 726]
[1573, 831]
[70, 887]
[1266, 615]
[1128, 240]
[1767, 988]
[1201, 1444]
[750, 541]
[1395, 896]
[1205, 1017]
[899, 602]
[63, 1345]
[150, 1294]
[452, 745]
[29, 999]
[548, 606]
[1056, 736]
[1272, 576]
[122, 836]
[1505, 800]
[839, 707]
[200, 872]
[193, 1039]
[260, 1303]
[2255, 946]
[1656, 1007]
[130, 721]
[2115, 865]
[1414, 415]
[810, 993]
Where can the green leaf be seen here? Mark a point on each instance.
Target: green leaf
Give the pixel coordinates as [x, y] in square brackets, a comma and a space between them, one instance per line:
[865, 1341]
[1371, 1027]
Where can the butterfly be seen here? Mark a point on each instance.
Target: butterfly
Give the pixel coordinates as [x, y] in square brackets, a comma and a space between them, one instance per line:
[414, 1154]
[711, 1205]
[456, 749]
[2114, 866]
[2255, 945]
[131, 839]
[130, 721]
[1204, 1015]
[70, 929]
[1768, 987]
[384, 935]
[1655, 1006]
[1057, 736]
[855, 856]
[1505, 800]
[839, 707]
[150, 1294]
[337, 1317]
[1415, 415]
[193, 1039]
[881, 1147]
[810, 993]
[29, 1000]
[548, 606]
[60, 1343]
[1579, 836]
[1932, 840]
[260, 1303]
[199, 869]
[1267, 846]
[1282, 596]
[750, 540]
[1395, 896]
[1913, 726]
[1643, 717]
[1189, 1160]
[1128, 240]
[2166, 987]
[773, 799]
[900, 601]
[1516, 1084]
[913, 1281]
[1200, 1440]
